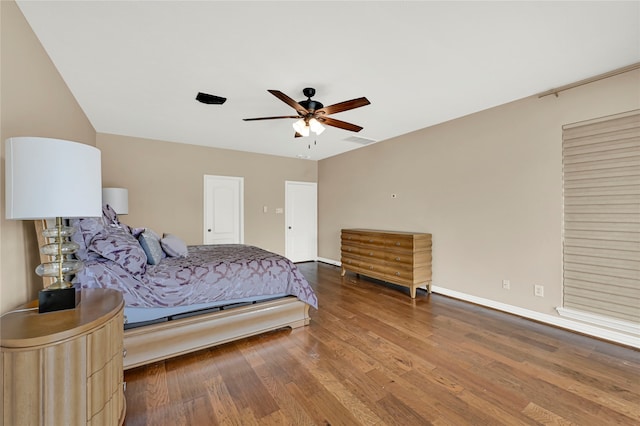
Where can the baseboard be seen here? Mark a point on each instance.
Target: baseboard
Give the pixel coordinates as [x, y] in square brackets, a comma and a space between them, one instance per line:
[329, 261]
[601, 320]
[575, 326]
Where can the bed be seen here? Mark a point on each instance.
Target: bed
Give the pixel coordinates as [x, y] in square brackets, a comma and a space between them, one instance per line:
[179, 298]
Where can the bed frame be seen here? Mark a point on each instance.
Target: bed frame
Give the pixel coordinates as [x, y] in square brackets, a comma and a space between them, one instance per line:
[156, 342]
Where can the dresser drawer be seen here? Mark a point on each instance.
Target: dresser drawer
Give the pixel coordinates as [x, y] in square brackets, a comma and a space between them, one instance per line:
[364, 263]
[373, 252]
[398, 258]
[350, 262]
[399, 242]
[363, 259]
[362, 239]
[399, 276]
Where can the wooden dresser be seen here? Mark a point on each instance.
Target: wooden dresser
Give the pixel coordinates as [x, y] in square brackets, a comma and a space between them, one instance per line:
[402, 258]
[65, 367]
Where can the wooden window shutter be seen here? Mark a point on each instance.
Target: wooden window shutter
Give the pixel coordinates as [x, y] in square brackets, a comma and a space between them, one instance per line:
[601, 244]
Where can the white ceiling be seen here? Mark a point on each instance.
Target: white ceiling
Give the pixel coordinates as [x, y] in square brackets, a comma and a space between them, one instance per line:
[136, 67]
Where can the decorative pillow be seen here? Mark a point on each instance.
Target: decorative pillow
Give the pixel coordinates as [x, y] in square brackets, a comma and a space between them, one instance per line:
[173, 246]
[118, 245]
[88, 227]
[85, 230]
[110, 216]
[150, 243]
[135, 231]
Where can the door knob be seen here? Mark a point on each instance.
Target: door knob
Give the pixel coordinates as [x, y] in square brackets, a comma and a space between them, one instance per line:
[208, 230]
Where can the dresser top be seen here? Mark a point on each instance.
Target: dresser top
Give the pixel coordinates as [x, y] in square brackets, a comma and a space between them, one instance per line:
[30, 328]
[380, 231]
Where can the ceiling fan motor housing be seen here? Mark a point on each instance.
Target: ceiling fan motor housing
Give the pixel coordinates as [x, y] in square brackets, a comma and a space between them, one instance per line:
[311, 105]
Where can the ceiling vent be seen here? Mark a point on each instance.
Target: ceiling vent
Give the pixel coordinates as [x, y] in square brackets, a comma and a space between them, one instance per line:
[206, 98]
[360, 140]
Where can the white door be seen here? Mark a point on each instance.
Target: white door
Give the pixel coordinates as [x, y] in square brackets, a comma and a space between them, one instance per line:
[301, 220]
[223, 210]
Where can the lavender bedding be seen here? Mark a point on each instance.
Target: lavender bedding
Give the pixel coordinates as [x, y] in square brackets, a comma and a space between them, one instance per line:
[207, 274]
[134, 262]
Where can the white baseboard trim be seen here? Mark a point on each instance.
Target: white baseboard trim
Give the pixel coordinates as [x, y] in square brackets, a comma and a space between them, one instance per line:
[578, 327]
[329, 261]
[600, 320]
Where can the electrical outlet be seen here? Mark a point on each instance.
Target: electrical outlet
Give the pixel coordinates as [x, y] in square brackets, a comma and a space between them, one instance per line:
[506, 284]
[538, 290]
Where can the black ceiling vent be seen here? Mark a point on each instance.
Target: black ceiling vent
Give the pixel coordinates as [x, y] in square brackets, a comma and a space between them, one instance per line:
[205, 98]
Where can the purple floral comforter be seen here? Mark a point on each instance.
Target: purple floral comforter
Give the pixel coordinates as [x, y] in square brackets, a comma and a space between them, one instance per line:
[208, 274]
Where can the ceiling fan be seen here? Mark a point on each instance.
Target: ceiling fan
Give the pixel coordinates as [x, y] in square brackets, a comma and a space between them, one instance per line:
[312, 114]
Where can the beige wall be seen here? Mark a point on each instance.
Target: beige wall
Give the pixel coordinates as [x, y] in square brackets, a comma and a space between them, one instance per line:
[166, 185]
[165, 180]
[34, 101]
[488, 186]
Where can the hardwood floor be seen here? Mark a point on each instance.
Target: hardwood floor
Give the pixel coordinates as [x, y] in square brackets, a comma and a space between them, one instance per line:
[373, 356]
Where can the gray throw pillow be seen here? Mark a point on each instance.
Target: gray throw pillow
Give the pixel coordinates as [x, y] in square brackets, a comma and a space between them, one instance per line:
[173, 246]
[151, 245]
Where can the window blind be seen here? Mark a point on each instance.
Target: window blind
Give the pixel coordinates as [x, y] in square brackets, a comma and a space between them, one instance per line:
[601, 244]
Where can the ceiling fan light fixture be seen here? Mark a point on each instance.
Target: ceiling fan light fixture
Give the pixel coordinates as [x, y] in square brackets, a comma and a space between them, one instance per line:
[313, 115]
[301, 127]
[315, 126]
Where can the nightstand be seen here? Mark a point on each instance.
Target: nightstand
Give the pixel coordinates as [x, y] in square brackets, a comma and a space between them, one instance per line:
[64, 367]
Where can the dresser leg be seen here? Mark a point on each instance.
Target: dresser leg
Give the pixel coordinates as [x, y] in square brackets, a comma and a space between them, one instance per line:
[413, 291]
[344, 271]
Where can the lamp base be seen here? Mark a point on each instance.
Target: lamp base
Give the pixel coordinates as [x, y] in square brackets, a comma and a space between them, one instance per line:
[58, 299]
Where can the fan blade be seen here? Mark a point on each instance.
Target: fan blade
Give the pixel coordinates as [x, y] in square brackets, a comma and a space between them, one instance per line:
[271, 118]
[287, 100]
[344, 106]
[337, 123]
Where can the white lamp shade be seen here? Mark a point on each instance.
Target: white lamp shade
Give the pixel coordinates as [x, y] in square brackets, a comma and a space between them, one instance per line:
[48, 178]
[301, 127]
[315, 126]
[117, 198]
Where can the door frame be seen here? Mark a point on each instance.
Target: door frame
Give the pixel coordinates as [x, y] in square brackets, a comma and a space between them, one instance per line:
[238, 179]
[287, 214]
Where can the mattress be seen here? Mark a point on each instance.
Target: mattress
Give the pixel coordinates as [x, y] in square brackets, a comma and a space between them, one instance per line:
[133, 315]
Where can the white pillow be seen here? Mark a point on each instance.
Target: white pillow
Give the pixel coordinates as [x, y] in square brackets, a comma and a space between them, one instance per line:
[173, 246]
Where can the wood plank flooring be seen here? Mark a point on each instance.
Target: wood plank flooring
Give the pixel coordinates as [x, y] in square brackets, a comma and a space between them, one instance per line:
[373, 356]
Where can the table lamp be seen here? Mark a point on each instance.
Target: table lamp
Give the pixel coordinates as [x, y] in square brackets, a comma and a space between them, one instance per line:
[117, 198]
[52, 178]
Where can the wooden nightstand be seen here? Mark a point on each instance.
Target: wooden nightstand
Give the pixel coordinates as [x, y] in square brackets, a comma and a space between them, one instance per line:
[64, 367]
